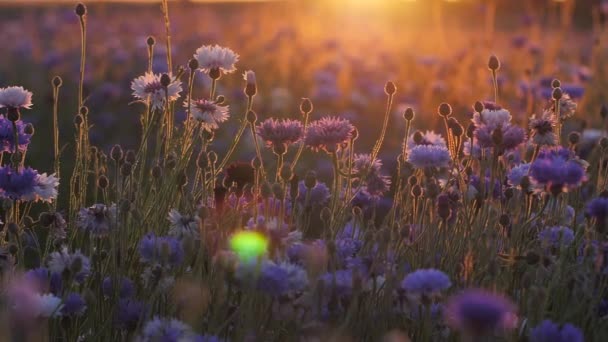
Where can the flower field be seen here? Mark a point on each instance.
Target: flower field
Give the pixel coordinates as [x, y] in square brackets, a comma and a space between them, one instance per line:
[297, 171]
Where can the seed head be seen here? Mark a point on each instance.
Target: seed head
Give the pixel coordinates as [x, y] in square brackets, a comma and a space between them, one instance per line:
[556, 83]
[557, 93]
[116, 153]
[80, 9]
[408, 115]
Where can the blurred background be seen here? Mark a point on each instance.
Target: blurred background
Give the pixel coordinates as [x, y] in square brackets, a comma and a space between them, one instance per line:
[339, 53]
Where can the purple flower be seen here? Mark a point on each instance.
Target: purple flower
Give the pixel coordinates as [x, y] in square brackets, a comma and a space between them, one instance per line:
[7, 135]
[374, 183]
[598, 209]
[128, 313]
[319, 194]
[517, 174]
[279, 134]
[274, 279]
[426, 282]
[557, 170]
[542, 129]
[548, 331]
[73, 305]
[339, 282]
[97, 219]
[512, 136]
[427, 138]
[164, 250]
[166, 330]
[125, 284]
[478, 312]
[556, 236]
[328, 134]
[429, 156]
[26, 184]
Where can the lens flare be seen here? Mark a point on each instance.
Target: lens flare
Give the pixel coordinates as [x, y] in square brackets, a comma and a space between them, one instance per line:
[248, 245]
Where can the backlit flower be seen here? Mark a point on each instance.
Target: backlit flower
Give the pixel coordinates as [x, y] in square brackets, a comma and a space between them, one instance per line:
[216, 57]
[208, 113]
[148, 87]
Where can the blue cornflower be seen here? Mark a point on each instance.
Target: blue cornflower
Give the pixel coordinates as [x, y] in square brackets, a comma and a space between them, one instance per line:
[319, 194]
[127, 289]
[98, 219]
[478, 312]
[557, 170]
[370, 176]
[164, 250]
[166, 330]
[272, 278]
[279, 134]
[598, 209]
[328, 134]
[73, 305]
[17, 185]
[128, 313]
[76, 263]
[39, 277]
[7, 135]
[339, 282]
[429, 156]
[426, 282]
[556, 236]
[548, 331]
[517, 174]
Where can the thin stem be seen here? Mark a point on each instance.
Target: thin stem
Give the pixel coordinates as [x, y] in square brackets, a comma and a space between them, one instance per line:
[165, 8]
[83, 39]
[380, 140]
[495, 83]
[301, 148]
[56, 129]
[239, 134]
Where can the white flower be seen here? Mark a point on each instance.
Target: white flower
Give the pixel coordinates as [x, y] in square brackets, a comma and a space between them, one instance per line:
[183, 225]
[46, 187]
[209, 113]
[60, 261]
[249, 77]
[492, 118]
[15, 97]
[49, 305]
[149, 87]
[216, 57]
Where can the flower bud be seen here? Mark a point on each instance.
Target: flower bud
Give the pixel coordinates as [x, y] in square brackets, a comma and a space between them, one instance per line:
[103, 182]
[408, 115]
[504, 220]
[416, 191]
[130, 156]
[171, 161]
[150, 41]
[165, 80]
[444, 109]
[310, 180]
[182, 179]
[557, 94]
[556, 83]
[193, 64]
[78, 120]
[251, 86]
[84, 110]
[80, 9]
[116, 153]
[126, 169]
[252, 117]
[493, 63]
[306, 106]
[471, 130]
[156, 172]
[478, 107]
[390, 88]
[57, 81]
[604, 111]
[574, 138]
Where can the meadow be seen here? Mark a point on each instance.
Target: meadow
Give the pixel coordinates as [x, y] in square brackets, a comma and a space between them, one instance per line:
[304, 171]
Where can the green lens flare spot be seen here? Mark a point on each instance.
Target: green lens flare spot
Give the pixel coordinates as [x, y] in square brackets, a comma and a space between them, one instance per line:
[248, 245]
